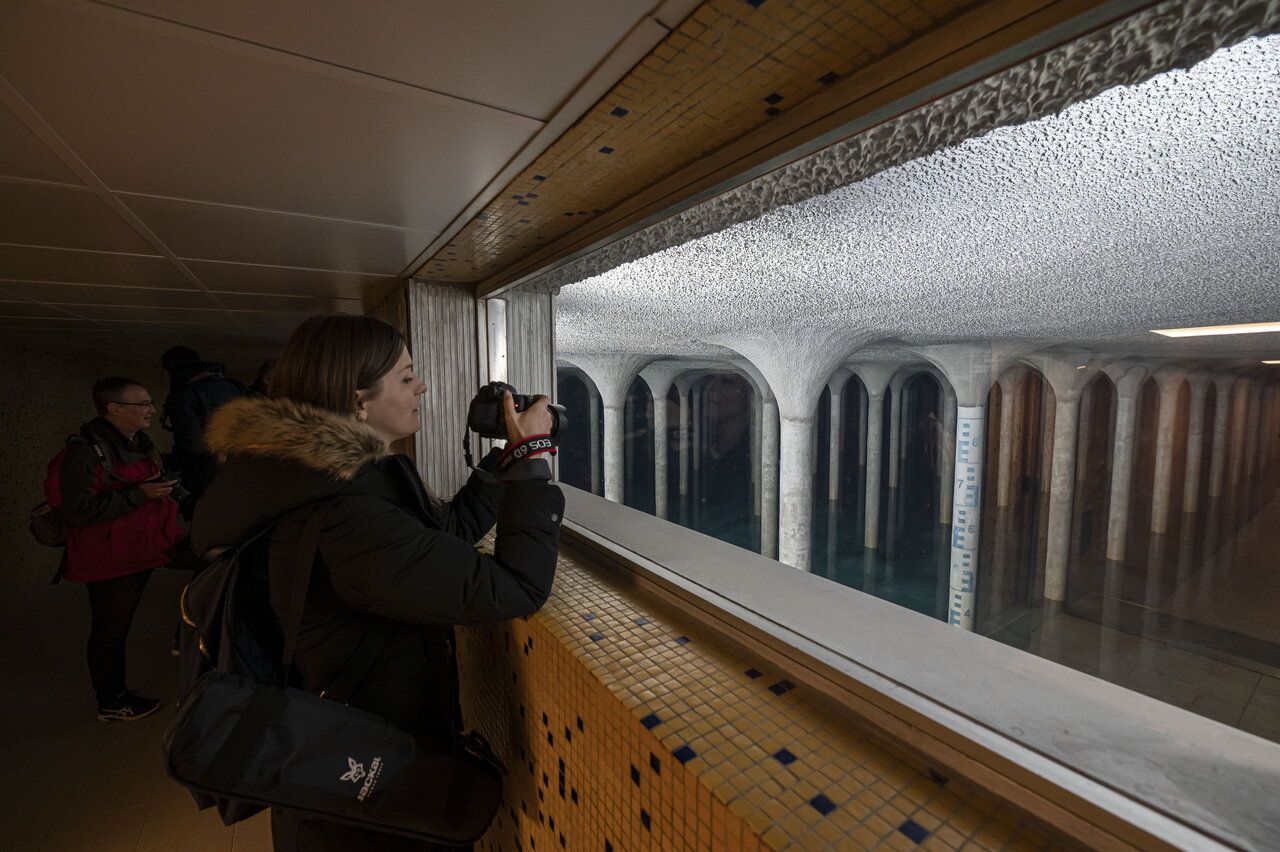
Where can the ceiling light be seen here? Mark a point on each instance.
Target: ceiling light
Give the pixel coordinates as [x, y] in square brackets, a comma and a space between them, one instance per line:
[1271, 362]
[1208, 330]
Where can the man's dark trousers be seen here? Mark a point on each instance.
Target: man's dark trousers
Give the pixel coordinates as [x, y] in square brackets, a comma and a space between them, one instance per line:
[113, 603]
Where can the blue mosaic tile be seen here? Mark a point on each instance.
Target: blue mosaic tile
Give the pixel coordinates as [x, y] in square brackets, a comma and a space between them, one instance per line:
[522, 203]
[938, 777]
[641, 622]
[635, 775]
[914, 831]
[828, 78]
[596, 637]
[784, 757]
[752, 673]
[588, 616]
[539, 177]
[651, 721]
[773, 99]
[619, 112]
[524, 221]
[644, 818]
[531, 195]
[482, 216]
[654, 763]
[682, 640]
[606, 150]
[781, 687]
[822, 804]
[754, 4]
[517, 197]
[684, 754]
[608, 847]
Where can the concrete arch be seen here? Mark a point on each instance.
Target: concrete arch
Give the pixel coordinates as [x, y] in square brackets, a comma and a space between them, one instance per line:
[592, 417]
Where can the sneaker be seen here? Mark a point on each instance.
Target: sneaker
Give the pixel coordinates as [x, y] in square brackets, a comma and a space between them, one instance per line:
[127, 708]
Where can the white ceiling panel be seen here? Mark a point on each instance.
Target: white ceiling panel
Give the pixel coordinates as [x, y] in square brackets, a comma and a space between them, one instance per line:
[219, 232]
[18, 263]
[20, 309]
[158, 109]
[248, 278]
[124, 313]
[48, 215]
[23, 155]
[289, 304]
[478, 51]
[98, 294]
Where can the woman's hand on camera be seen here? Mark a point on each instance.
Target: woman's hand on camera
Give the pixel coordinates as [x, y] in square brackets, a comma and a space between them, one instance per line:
[534, 420]
[155, 490]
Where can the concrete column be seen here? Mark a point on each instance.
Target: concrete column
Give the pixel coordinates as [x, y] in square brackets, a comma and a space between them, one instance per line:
[593, 412]
[1239, 428]
[875, 439]
[947, 453]
[862, 425]
[612, 375]
[1221, 412]
[1010, 386]
[1198, 386]
[1085, 420]
[756, 437]
[682, 388]
[968, 368]
[1062, 487]
[769, 429]
[836, 439]
[895, 428]
[1169, 382]
[660, 456]
[795, 515]
[1128, 386]
[1063, 438]
[966, 524]
[1249, 474]
[614, 435]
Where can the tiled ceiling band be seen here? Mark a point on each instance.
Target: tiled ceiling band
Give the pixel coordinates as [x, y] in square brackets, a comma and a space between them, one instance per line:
[727, 69]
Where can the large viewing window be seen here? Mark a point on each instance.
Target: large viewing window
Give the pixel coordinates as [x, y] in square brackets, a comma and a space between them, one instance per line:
[940, 386]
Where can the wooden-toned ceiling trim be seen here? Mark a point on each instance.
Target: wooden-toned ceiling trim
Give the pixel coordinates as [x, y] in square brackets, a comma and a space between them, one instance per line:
[969, 47]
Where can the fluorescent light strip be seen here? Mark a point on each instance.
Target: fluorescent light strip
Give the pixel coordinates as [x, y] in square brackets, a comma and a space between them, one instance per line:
[1209, 330]
[1271, 362]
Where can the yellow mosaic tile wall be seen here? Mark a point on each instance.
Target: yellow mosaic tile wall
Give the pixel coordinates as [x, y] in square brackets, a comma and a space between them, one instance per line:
[728, 68]
[624, 728]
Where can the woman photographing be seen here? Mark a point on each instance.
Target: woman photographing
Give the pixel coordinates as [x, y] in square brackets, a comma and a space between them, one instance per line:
[391, 557]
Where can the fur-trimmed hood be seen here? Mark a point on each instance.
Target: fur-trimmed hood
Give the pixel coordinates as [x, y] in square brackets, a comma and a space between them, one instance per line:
[336, 444]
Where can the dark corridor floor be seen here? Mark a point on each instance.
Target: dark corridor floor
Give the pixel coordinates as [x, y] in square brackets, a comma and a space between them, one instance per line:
[75, 783]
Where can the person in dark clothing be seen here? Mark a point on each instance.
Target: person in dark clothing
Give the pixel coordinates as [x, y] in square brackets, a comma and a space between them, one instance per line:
[121, 521]
[262, 384]
[392, 557]
[196, 389]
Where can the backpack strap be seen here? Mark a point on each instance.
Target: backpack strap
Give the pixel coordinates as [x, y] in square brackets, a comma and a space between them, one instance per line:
[371, 643]
[303, 560]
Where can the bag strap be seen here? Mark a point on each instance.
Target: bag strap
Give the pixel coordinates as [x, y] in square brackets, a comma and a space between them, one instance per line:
[370, 646]
[304, 560]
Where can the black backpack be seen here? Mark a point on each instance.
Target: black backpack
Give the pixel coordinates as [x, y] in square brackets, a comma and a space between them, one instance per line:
[244, 739]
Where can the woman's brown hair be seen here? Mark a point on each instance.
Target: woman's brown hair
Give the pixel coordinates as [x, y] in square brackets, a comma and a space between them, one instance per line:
[328, 358]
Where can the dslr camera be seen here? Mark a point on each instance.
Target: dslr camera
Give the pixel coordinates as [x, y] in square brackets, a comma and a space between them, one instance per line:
[486, 417]
[178, 493]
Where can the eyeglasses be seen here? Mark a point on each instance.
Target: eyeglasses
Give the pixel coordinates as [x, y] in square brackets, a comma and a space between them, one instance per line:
[147, 404]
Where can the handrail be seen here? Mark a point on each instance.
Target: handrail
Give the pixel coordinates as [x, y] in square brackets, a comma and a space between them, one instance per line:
[1100, 762]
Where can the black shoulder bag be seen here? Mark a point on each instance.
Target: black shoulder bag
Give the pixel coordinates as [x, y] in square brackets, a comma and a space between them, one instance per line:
[264, 743]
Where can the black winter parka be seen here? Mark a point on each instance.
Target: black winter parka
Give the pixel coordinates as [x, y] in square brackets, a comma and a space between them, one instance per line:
[392, 557]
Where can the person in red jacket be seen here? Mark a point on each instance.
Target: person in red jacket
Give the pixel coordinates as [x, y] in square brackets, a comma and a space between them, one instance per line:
[121, 521]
